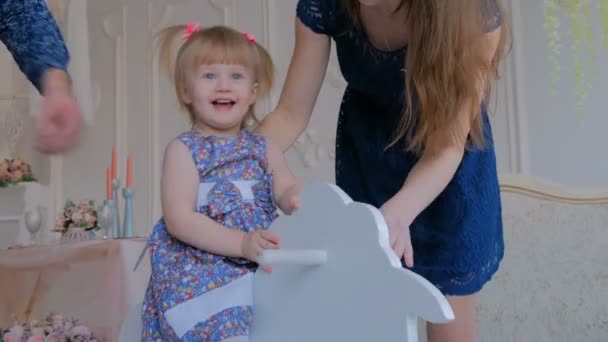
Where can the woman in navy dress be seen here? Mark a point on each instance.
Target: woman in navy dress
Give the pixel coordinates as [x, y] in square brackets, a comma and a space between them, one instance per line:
[424, 157]
[30, 33]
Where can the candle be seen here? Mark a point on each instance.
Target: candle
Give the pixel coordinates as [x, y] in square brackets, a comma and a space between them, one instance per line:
[114, 163]
[108, 184]
[129, 171]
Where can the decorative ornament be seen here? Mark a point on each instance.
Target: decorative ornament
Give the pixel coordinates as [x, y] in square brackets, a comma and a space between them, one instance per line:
[579, 15]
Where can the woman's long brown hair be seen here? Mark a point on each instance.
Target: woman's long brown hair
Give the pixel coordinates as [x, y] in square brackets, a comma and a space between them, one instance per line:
[445, 68]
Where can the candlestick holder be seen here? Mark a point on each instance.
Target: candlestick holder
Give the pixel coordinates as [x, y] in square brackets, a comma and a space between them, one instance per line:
[116, 226]
[127, 231]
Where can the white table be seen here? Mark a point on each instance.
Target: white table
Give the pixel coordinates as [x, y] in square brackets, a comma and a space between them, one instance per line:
[89, 280]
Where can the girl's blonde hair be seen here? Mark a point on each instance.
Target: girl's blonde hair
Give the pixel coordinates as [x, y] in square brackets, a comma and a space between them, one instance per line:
[215, 44]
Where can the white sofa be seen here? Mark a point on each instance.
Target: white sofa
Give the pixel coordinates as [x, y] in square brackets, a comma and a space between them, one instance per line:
[553, 282]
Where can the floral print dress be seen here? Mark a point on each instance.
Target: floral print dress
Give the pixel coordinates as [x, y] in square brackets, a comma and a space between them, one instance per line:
[193, 295]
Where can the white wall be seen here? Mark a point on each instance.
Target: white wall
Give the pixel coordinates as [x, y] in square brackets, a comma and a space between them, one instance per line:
[535, 131]
[562, 146]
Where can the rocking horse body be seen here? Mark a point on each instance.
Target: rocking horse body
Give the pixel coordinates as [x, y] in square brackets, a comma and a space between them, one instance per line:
[335, 278]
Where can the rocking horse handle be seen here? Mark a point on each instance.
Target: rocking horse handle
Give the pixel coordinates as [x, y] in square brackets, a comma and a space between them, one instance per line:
[294, 257]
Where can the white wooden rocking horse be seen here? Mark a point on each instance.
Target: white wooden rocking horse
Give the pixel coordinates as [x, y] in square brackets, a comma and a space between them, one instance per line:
[334, 279]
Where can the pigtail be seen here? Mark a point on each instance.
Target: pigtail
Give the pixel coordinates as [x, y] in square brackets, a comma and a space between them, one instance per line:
[265, 71]
[164, 42]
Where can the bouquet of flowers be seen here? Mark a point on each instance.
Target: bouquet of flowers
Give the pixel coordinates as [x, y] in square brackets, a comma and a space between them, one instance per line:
[53, 328]
[13, 171]
[77, 215]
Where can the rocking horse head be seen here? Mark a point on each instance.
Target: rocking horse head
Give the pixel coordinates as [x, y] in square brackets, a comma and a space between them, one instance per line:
[335, 278]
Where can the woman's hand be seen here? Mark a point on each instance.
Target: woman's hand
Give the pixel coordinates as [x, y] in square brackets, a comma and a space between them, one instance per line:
[255, 242]
[60, 121]
[399, 230]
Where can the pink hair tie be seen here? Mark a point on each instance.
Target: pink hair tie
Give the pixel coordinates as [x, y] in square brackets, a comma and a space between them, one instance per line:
[250, 37]
[191, 28]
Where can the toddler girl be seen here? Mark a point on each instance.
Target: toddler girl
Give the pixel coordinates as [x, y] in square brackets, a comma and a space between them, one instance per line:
[220, 185]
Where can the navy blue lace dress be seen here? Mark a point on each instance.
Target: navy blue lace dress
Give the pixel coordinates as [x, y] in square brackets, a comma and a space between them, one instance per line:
[457, 240]
[30, 33]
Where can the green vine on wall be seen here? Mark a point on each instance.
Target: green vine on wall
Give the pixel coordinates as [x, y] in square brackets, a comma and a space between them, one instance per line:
[580, 17]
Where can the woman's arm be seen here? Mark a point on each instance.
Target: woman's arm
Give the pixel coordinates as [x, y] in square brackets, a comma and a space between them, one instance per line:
[179, 189]
[302, 85]
[434, 171]
[431, 174]
[30, 33]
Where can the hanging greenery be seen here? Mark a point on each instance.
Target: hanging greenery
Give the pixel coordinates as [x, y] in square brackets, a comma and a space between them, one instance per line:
[579, 16]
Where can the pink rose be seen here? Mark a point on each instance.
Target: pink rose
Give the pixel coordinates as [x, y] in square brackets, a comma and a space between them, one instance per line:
[36, 338]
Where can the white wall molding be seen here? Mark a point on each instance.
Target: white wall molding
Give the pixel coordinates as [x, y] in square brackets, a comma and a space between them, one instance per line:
[227, 7]
[155, 24]
[515, 96]
[312, 148]
[268, 20]
[535, 187]
[56, 185]
[115, 28]
[57, 8]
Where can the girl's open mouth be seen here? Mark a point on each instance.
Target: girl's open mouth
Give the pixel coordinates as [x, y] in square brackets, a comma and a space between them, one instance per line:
[223, 104]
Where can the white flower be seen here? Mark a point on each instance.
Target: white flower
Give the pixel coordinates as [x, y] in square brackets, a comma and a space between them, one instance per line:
[80, 330]
[76, 217]
[38, 331]
[17, 331]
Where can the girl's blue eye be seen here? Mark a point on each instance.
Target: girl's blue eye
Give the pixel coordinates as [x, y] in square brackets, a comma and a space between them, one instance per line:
[208, 75]
[237, 76]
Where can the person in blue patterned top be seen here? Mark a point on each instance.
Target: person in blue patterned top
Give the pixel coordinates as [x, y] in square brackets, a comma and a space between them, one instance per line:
[413, 136]
[221, 186]
[30, 33]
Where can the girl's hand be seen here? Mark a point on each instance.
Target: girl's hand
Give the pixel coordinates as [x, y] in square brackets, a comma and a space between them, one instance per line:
[290, 200]
[399, 230]
[255, 242]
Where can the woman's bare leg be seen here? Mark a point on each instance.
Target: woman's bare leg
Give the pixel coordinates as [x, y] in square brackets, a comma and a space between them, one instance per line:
[462, 329]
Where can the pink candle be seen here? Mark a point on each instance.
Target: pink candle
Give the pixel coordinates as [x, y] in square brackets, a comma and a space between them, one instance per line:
[114, 156]
[108, 184]
[129, 172]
